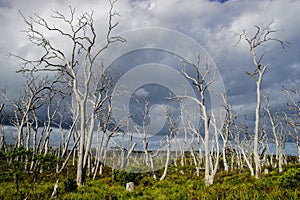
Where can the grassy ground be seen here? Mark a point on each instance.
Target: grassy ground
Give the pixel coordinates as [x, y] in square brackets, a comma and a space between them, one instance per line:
[111, 185]
[233, 185]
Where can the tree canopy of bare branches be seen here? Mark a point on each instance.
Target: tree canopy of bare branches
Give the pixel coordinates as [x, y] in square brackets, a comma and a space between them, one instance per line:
[79, 32]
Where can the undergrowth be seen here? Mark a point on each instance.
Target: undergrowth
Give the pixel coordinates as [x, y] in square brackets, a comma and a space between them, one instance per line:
[180, 183]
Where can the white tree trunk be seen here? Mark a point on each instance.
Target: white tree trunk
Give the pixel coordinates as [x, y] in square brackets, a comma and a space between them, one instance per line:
[256, 130]
[247, 161]
[224, 157]
[80, 163]
[195, 160]
[280, 160]
[167, 161]
[207, 177]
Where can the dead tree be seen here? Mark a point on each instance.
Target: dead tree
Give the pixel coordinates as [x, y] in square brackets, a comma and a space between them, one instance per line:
[202, 82]
[79, 32]
[262, 36]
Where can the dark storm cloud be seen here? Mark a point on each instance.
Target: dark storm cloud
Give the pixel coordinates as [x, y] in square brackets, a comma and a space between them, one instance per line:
[211, 24]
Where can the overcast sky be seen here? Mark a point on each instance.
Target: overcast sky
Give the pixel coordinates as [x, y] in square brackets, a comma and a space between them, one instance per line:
[212, 24]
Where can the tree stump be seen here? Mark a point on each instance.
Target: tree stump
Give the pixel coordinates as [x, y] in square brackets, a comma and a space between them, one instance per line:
[266, 171]
[130, 187]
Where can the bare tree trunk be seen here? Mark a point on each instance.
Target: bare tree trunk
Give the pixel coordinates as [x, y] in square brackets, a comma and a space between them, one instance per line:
[82, 147]
[256, 155]
[89, 165]
[280, 161]
[206, 147]
[167, 160]
[232, 161]
[74, 156]
[72, 151]
[128, 155]
[152, 168]
[195, 160]
[247, 161]
[214, 167]
[226, 168]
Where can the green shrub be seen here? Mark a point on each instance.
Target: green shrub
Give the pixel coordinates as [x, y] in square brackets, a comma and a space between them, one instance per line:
[70, 185]
[290, 179]
[124, 177]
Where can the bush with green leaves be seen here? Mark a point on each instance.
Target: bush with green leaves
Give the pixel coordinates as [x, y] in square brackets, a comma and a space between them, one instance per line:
[124, 177]
[70, 185]
[290, 179]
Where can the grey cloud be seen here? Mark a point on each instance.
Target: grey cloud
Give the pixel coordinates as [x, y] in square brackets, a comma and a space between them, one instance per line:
[211, 24]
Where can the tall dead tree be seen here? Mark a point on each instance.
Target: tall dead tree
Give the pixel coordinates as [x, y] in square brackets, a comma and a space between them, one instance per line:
[202, 82]
[262, 36]
[82, 53]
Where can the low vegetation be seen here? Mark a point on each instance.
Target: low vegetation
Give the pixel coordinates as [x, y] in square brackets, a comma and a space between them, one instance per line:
[181, 183]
